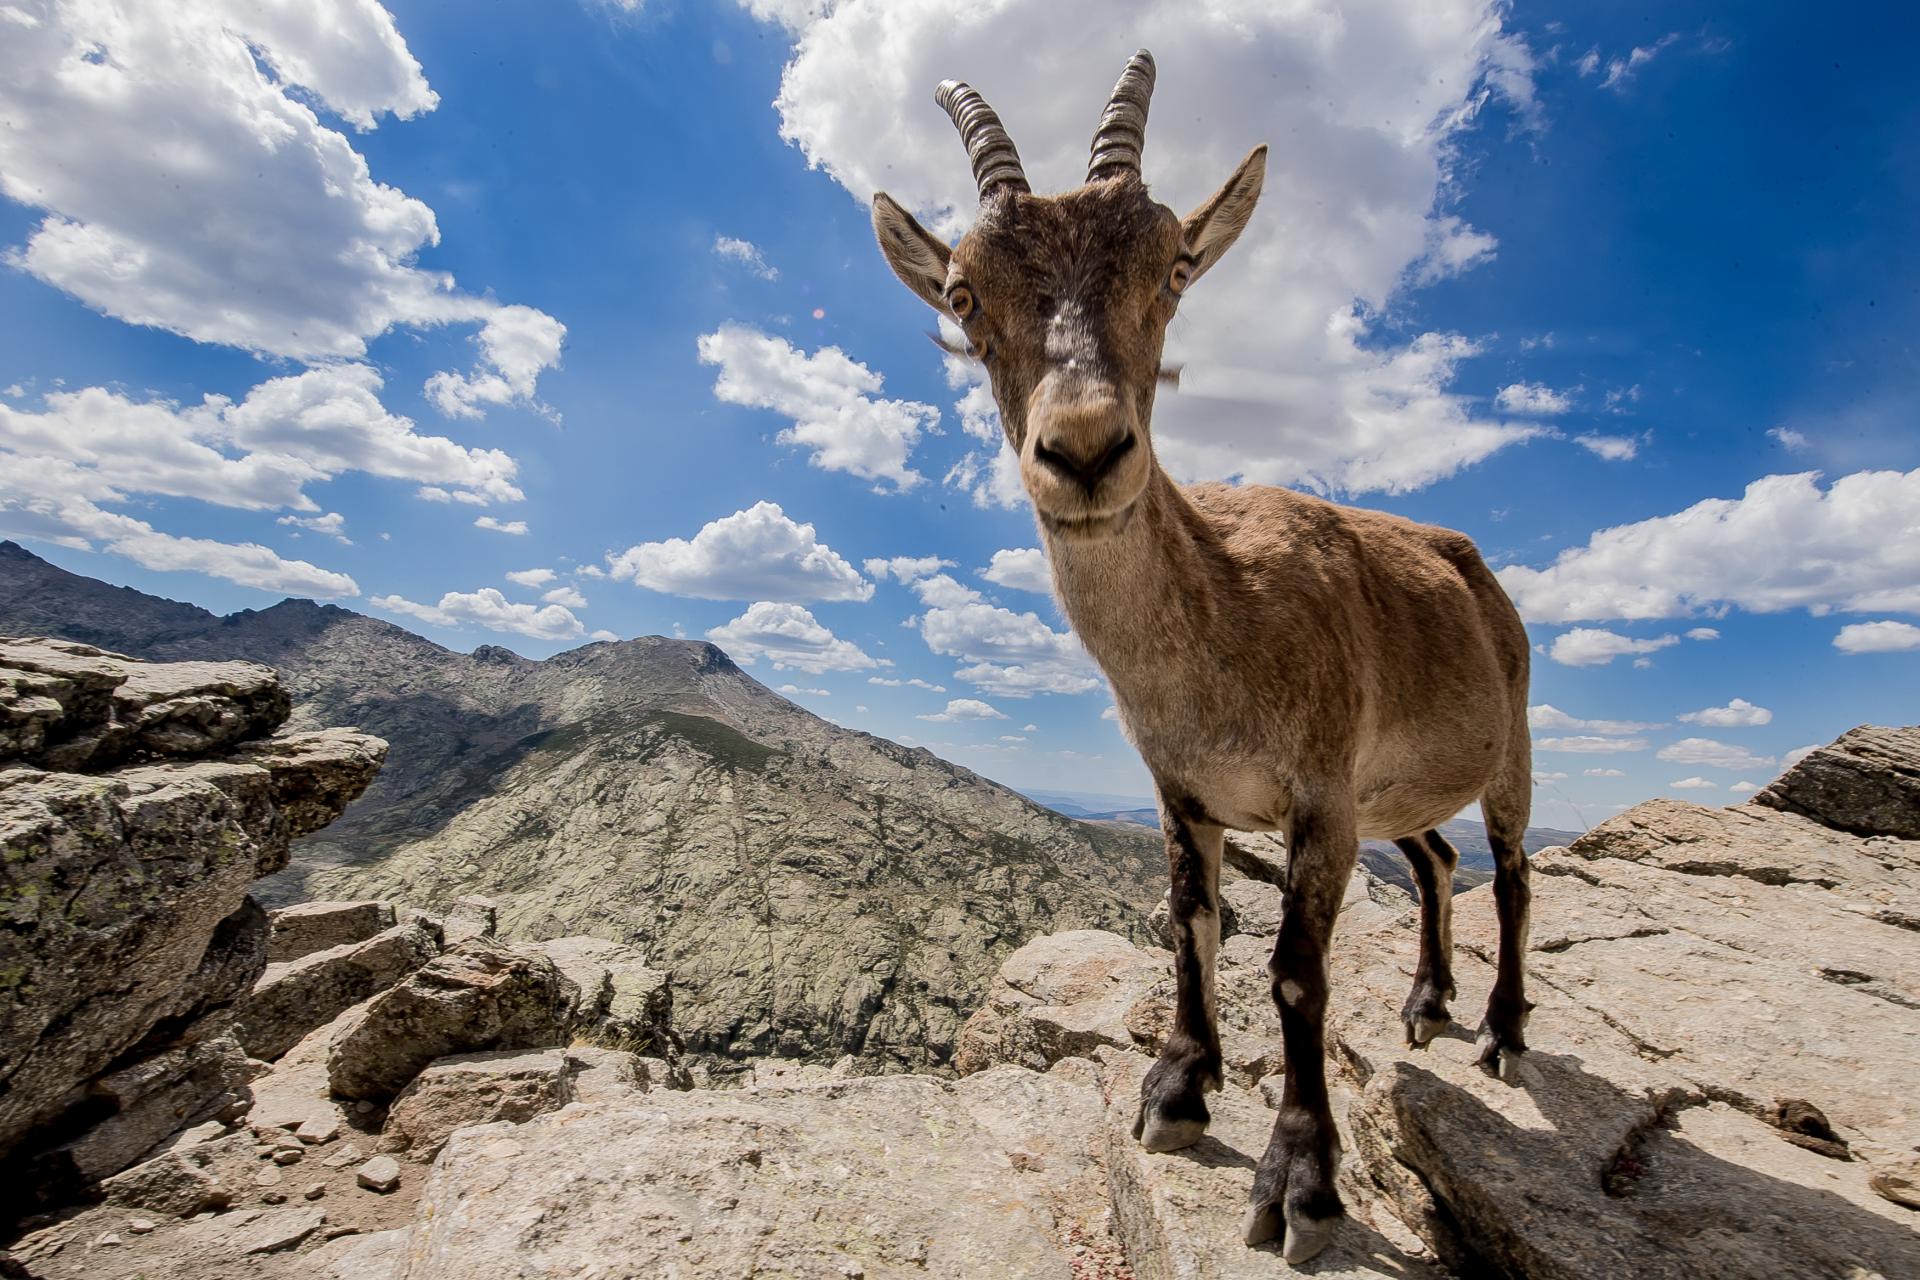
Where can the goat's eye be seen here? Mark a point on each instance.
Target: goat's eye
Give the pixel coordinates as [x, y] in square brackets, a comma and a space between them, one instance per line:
[977, 348]
[1181, 276]
[960, 299]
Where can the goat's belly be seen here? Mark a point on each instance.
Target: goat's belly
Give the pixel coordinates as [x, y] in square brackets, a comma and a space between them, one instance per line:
[1412, 794]
[1244, 799]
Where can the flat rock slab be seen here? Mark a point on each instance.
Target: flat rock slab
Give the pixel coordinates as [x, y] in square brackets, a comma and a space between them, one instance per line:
[308, 927]
[1062, 995]
[879, 1177]
[378, 1255]
[107, 707]
[476, 1088]
[1570, 1178]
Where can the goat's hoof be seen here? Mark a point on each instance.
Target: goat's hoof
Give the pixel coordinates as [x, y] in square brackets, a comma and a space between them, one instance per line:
[1425, 1013]
[1501, 1057]
[1173, 1106]
[1421, 1029]
[1293, 1189]
[1502, 1041]
[1157, 1133]
[1304, 1235]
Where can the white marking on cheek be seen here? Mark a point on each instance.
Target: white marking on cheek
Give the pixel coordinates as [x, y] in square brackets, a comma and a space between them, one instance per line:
[1291, 991]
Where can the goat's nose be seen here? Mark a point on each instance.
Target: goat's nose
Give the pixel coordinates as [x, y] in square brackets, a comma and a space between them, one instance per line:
[1083, 461]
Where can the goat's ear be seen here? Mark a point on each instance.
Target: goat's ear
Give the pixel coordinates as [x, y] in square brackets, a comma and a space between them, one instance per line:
[916, 255]
[1210, 230]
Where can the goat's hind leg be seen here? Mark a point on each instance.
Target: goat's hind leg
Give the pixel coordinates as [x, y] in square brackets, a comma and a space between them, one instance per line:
[1503, 1035]
[1173, 1109]
[1425, 1012]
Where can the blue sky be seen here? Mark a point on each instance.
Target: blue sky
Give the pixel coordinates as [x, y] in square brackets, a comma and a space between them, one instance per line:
[601, 276]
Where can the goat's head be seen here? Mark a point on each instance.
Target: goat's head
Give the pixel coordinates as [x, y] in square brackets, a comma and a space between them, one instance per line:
[1066, 299]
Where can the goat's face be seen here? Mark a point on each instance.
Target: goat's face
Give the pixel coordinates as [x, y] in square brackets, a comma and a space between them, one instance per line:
[1065, 300]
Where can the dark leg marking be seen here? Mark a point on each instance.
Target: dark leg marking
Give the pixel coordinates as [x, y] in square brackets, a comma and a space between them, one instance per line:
[1502, 1036]
[1425, 1012]
[1293, 1189]
[1173, 1110]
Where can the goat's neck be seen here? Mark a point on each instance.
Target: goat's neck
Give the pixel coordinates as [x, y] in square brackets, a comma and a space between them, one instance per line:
[1136, 596]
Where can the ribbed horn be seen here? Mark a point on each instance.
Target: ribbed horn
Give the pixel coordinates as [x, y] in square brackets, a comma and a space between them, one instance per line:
[1122, 134]
[989, 149]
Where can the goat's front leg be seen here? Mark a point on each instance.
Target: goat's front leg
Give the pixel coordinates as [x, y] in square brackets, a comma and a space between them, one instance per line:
[1173, 1109]
[1293, 1187]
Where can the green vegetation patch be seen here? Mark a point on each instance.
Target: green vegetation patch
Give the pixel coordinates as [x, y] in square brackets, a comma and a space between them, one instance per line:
[719, 741]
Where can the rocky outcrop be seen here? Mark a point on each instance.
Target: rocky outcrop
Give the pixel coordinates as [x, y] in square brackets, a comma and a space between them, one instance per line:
[129, 933]
[480, 995]
[280, 1188]
[513, 1085]
[294, 997]
[1726, 1019]
[624, 1001]
[71, 707]
[1866, 782]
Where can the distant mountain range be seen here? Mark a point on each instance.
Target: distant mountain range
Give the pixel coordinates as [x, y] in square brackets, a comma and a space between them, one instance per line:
[1379, 856]
[815, 890]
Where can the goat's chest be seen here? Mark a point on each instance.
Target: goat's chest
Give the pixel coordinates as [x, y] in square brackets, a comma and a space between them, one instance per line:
[1226, 764]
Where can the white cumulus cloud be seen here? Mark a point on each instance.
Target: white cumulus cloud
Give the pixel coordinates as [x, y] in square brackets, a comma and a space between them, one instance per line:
[966, 709]
[333, 524]
[1528, 398]
[488, 608]
[746, 253]
[1289, 375]
[1737, 714]
[531, 577]
[1012, 655]
[758, 553]
[1785, 544]
[1022, 568]
[518, 528]
[517, 344]
[1711, 753]
[1612, 448]
[789, 637]
[1885, 636]
[1589, 744]
[187, 180]
[905, 568]
[1594, 647]
[834, 403]
[1547, 716]
[1694, 784]
[568, 596]
[914, 682]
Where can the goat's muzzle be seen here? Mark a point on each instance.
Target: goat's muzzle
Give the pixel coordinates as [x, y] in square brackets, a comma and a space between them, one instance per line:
[1085, 462]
